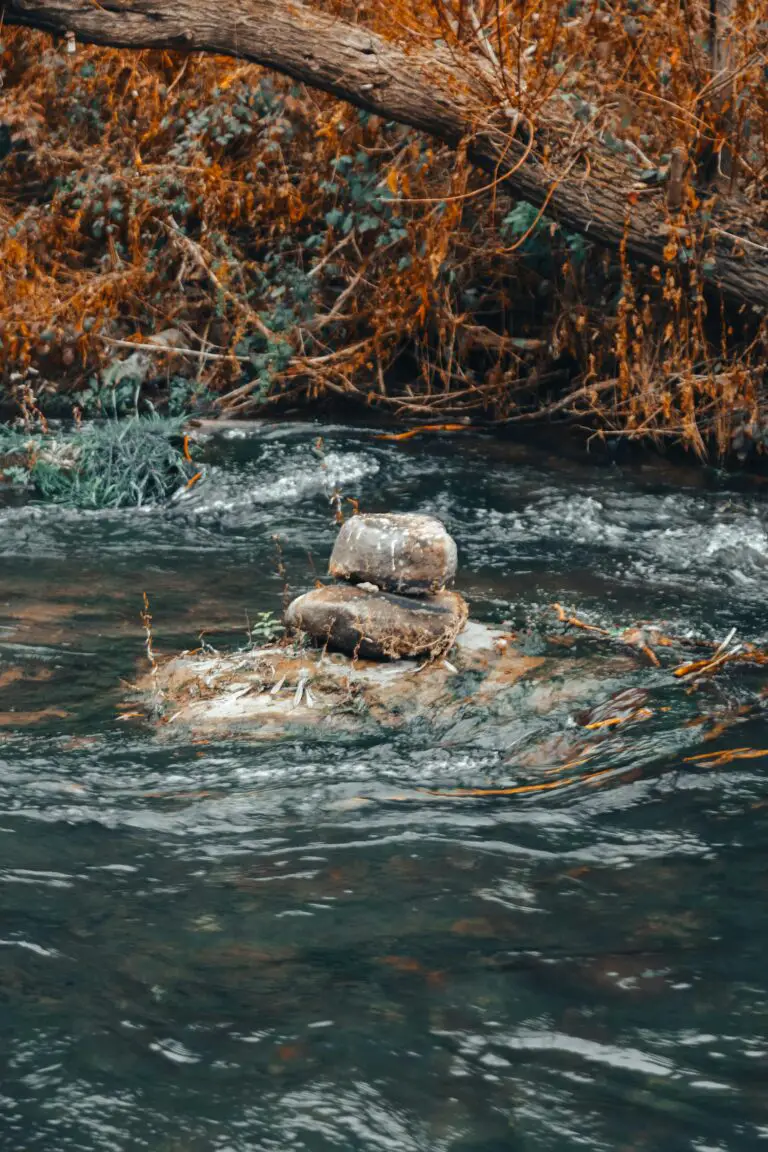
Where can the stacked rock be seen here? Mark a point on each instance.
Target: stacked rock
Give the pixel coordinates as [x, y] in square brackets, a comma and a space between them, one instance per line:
[391, 600]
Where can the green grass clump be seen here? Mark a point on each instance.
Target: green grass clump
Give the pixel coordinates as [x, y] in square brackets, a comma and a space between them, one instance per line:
[115, 464]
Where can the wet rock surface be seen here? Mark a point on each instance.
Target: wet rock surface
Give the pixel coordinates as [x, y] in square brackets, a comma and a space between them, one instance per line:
[480, 692]
[378, 625]
[407, 554]
[283, 690]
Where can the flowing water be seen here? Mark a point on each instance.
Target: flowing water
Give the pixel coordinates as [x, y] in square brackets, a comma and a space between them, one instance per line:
[231, 946]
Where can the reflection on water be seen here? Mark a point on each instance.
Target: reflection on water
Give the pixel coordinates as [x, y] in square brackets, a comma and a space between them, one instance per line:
[221, 946]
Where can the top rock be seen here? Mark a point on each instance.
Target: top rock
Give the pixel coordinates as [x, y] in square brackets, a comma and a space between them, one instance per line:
[409, 554]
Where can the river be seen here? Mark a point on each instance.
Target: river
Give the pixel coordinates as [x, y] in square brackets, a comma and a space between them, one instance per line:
[227, 947]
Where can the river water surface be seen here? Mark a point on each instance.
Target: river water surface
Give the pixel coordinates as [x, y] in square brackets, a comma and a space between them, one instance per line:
[233, 947]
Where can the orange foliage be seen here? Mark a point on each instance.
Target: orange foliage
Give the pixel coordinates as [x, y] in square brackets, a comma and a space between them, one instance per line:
[131, 202]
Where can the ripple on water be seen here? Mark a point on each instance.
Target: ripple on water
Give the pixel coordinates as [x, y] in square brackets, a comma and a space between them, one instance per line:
[315, 946]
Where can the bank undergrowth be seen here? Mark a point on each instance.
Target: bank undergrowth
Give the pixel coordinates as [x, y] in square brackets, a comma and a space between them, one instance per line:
[194, 234]
[127, 463]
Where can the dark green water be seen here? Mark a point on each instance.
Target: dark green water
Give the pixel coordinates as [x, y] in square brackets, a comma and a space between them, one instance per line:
[231, 947]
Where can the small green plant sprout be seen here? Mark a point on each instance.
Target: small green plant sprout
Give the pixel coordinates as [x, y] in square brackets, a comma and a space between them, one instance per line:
[264, 628]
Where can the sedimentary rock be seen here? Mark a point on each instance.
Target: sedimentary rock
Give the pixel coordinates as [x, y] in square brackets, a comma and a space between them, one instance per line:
[376, 625]
[410, 554]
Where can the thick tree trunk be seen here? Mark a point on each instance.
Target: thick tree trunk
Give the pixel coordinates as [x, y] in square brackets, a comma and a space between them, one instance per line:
[592, 190]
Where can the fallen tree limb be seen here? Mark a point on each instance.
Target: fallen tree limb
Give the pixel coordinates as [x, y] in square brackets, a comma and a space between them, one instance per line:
[582, 183]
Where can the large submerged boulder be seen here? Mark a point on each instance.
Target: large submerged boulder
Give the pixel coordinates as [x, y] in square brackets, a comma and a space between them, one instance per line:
[486, 692]
[406, 553]
[378, 625]
[284, 690]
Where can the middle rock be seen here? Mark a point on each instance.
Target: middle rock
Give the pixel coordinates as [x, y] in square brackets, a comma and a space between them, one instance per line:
[376, 625]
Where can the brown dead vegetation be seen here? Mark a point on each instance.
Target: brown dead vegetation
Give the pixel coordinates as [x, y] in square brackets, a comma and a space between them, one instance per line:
[130, 204]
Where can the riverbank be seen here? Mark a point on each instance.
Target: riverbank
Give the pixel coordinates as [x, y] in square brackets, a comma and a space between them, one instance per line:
[153, 252]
